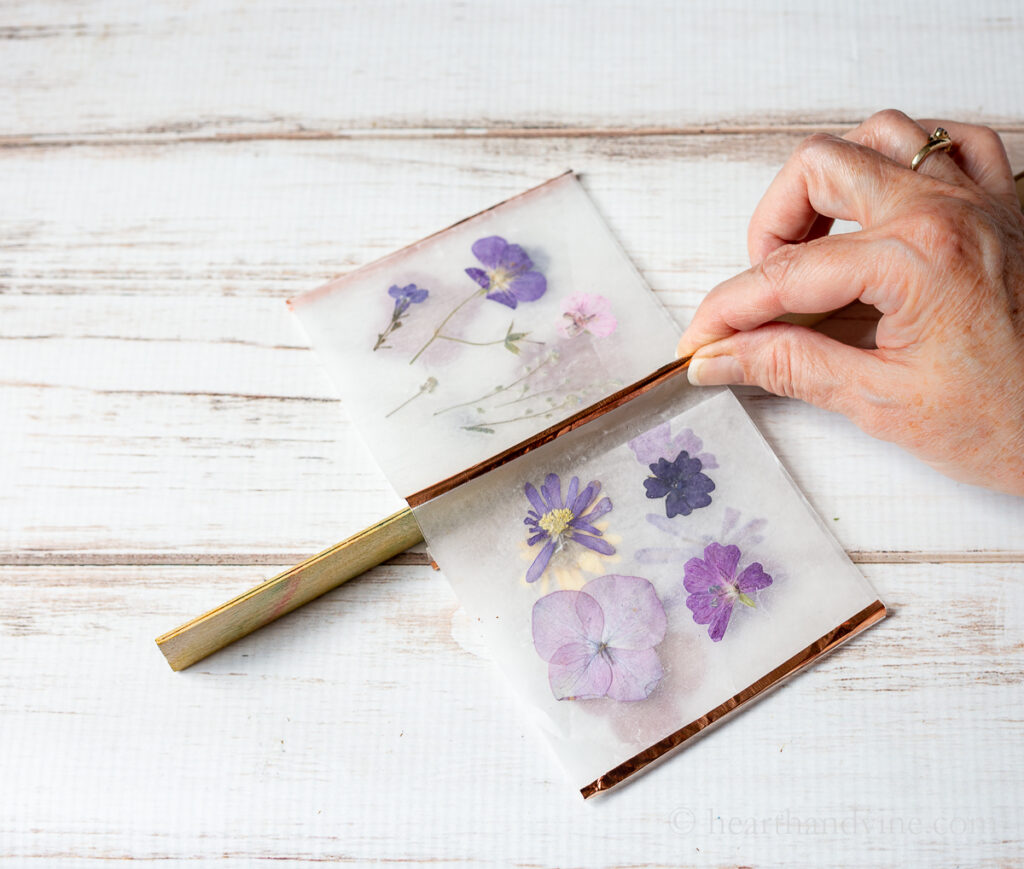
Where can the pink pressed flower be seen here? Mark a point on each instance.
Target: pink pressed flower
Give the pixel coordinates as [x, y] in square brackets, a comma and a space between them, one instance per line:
[587, 312]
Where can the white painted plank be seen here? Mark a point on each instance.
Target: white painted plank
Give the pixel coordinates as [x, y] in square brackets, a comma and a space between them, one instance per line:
[310, 739]
[112, 68]
[158, 398]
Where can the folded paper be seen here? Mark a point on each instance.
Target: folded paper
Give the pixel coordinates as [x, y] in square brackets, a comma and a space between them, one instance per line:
[640, 575]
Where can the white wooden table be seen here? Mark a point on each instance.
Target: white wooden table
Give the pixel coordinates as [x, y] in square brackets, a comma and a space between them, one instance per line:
[170, 173]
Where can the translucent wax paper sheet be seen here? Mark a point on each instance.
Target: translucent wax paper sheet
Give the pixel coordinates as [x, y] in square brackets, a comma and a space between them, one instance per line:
[470, 341]
[643, 575]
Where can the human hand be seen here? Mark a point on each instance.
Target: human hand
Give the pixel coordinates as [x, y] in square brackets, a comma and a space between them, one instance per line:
[940, 253]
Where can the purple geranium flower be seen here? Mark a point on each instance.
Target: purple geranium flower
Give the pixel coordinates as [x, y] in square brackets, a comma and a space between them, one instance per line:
[714, 586]
[508, 275]
[680, 483]
[556, 521]
[405, 296]
[599, 641]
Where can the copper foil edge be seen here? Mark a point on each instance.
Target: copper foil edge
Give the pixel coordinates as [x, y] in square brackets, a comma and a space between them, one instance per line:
[581, 417]
[864, 619]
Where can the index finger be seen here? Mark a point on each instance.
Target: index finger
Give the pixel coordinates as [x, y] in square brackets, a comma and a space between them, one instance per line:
[826, 177]
[814, 277]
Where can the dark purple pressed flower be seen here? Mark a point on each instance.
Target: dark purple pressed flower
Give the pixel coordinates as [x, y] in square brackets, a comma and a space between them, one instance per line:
[599, 641]
[714, 586]
[680, 483]
[405, 296]
[556, 522]
[508, 274]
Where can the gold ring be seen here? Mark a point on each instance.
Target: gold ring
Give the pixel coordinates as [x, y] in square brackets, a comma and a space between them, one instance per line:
[937, 141]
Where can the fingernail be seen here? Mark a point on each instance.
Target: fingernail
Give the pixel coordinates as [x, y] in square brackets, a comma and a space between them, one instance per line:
[715, 371]
[684, 349]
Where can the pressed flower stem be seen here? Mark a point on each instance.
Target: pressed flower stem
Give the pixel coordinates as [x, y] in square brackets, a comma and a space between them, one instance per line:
[409, 399]
[474, 343]
[444, 322]
[518, 418]
[493, 392]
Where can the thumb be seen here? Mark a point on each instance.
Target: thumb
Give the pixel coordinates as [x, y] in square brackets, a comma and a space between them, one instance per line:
[799, 363]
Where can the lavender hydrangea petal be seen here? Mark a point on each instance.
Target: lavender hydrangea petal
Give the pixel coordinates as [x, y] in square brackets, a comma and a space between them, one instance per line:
[635, 673]
[490, 250]
[540, 562]
[753, 578]
[595, 543]
[633, 615]
[395, 291]
[564, 617]
[576, 672]
[529, 286]
[649, 446]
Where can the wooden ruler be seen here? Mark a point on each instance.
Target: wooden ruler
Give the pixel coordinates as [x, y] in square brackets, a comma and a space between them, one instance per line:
[300, 584]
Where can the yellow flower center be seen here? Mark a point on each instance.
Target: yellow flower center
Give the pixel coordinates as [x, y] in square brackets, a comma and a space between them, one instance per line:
[499, 279]
[556, 521]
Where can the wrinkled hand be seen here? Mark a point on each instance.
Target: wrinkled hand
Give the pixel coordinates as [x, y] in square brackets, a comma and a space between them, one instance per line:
[940, 253]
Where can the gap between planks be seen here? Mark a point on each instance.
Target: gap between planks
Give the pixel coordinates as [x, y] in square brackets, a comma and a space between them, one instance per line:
[234, 559]
[175, 135]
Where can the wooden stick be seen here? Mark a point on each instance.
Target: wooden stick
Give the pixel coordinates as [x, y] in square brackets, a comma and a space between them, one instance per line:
[270, 600]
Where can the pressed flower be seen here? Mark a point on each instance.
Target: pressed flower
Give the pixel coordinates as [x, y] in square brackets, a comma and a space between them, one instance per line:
[508, 274]
[681, 483]
[556, 523]
[408, 295]
[659, 441]
[587, 312]
[599, 641]
[404, 298]
[714, 586]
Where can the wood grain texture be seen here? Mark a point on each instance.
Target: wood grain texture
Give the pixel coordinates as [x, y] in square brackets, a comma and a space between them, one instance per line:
[369, 726]
[145, 340]
[171, 172]
[114, 69]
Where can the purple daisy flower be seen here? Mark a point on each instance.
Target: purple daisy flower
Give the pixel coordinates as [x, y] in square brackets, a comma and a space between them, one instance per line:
[599, 641]
[680, 483]
[508, 274]
[714, 586]
[556, 522]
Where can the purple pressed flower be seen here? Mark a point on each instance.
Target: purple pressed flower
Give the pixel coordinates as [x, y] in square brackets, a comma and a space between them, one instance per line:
[556, 522]
[599, 641]
[508, 274]
[658, 442]
[680, 483]
[714, 586]
[405, 296]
